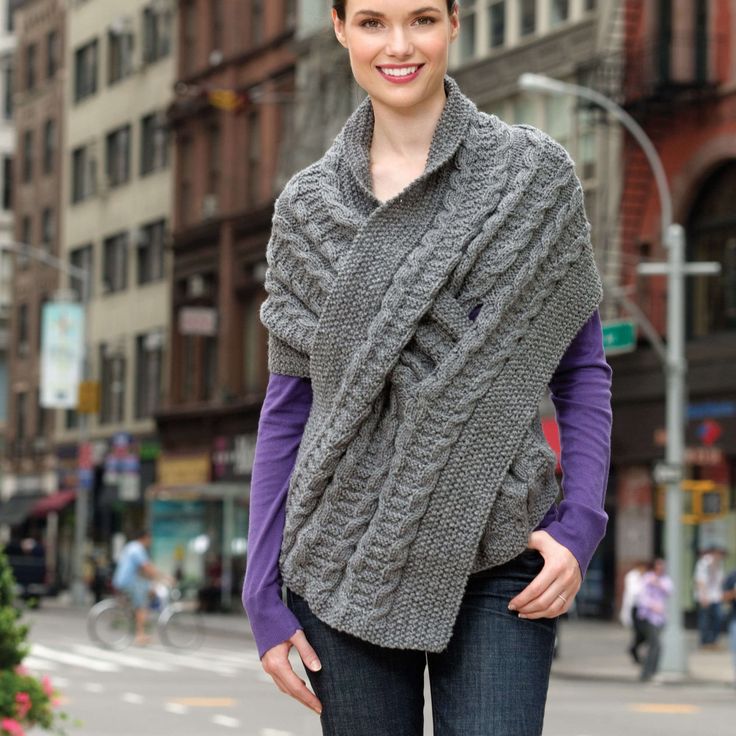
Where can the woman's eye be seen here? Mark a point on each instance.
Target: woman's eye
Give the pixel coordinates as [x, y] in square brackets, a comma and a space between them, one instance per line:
[370, 23]
[425, 20]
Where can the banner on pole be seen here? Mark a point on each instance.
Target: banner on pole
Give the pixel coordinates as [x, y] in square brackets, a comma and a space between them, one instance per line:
[62, 354]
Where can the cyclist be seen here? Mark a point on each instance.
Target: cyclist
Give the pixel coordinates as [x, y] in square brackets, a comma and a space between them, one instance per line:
[133, 574]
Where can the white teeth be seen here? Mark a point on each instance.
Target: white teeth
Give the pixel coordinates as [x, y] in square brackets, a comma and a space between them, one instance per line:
[405, 72]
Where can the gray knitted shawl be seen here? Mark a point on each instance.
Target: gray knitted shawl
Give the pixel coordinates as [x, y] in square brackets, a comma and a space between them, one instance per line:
[423, 458]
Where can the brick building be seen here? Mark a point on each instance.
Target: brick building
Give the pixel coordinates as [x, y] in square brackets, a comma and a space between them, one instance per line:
[234, 97]
[680, 85]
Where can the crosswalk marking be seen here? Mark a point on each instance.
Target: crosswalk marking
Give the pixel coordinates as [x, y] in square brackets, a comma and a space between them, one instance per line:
[75, 660]
[93, 687]
[123, 659]
[40, 665]
[133, 698]
[176, 708]
[227, 721]
[678, 708]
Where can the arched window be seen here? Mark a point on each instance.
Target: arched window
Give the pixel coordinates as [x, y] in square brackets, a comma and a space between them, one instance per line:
[712, 237]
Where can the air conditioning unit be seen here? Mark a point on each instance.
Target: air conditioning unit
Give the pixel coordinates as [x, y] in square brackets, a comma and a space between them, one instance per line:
[209, 205]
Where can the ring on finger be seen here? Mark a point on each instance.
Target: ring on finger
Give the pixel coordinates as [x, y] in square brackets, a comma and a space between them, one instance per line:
[559, 595]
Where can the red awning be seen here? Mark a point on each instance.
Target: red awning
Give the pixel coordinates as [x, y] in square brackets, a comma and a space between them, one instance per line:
[552, 435]
[55, 502]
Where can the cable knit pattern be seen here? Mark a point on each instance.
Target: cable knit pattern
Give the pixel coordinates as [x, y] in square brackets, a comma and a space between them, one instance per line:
[423, 458]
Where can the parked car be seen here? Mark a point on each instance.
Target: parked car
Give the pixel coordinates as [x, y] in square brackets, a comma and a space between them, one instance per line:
[27, 559]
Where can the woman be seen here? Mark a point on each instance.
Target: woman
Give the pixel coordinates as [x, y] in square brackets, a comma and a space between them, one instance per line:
[428, 278]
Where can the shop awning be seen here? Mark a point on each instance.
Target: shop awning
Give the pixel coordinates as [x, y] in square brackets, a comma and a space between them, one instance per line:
[18, 508]
[54, 502]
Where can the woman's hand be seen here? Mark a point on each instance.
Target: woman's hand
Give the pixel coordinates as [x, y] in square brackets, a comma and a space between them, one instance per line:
[560, 576]
[276, 663]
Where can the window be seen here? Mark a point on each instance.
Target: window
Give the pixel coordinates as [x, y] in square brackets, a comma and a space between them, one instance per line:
[82, 258]
[7, 87]
[112, 380]
[218, 25]
[468, 29]
[214, 156]
[53, 54]
[115, 263]
[26, 237]
[254, 156]
[209, 363]
[9, 19]
[20, 415]
[49, 146]
[85, 71]
[559, 11]
[156, 34]
[42, 417]
[48, 228]
[149, 350]
[150, 252]
[497, 24]
[523, 110]
[186, 160]
[188, 13]
[558, 117]
[154, 143]
[120, 54]
[589, 5]
[290, 14]
[21, 335]
[257, 31]
[7, 182]
[118, 156]
[31, 54]
[84, 174]
[27, 170]
[528, 17]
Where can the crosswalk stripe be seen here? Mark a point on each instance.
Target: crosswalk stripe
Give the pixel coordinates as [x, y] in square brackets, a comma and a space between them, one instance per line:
[44, 665]
[188, 660]
[75, 660]
[127, 660]
[133, 698]
[227, 721]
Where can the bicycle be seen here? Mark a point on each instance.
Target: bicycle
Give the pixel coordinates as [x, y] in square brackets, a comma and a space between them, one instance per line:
[180, 624]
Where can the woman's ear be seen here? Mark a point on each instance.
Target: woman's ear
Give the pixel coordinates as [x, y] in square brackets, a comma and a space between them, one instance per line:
[339, 26]
[454, 22]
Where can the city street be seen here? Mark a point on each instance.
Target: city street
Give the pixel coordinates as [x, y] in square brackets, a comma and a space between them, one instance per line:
[221, 688]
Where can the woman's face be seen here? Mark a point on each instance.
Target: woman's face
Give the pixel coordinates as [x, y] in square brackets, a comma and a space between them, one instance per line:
[398, 48]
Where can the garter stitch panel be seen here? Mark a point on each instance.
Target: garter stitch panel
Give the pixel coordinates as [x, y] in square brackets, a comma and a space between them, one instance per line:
[423, 458]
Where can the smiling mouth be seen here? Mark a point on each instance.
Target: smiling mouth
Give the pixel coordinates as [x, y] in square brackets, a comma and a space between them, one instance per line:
[402, 72]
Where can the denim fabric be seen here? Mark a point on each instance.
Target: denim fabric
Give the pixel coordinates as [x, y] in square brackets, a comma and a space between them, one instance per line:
[654, 650]
[491, 680]
[709, 623]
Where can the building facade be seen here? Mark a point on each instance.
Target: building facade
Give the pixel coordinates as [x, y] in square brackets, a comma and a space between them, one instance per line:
[680, 85]
[234, 97]
[117, 196]
[7, 234]
[29, 473]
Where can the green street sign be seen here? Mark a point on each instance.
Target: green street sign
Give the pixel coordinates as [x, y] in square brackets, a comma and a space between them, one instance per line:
[619, 336]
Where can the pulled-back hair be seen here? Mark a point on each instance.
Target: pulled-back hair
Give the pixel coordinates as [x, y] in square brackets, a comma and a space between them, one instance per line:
[340, 7]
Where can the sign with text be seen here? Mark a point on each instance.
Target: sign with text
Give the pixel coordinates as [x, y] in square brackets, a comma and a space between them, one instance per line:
[62, 354]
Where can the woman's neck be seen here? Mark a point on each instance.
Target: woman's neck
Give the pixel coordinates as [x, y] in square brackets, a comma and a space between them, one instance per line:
[405, 135]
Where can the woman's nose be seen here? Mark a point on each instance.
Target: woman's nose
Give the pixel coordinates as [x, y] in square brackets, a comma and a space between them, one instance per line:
[399, 43]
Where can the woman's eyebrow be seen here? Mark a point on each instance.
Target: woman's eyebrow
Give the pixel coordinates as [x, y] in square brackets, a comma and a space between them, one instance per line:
[418, 11]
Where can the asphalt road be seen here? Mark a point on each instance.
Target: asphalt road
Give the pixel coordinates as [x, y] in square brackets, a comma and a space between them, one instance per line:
[221, 689]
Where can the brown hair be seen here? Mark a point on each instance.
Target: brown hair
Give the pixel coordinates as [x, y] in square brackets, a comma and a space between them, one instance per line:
[340, 7]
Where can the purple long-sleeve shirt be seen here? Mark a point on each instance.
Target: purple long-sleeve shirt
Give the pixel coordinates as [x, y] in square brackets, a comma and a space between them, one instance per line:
[581, 393]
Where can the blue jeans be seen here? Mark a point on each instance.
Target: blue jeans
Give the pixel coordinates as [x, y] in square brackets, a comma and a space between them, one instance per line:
[491, 680]
[709, 623]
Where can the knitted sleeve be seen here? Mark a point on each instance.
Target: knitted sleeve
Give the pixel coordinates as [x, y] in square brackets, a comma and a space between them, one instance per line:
[290, 325]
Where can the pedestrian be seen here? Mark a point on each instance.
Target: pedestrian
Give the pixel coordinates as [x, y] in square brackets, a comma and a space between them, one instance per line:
[708, 580]
[729, 596]
[132, 576]
[629, 615]
[656, 588]
[428, 278]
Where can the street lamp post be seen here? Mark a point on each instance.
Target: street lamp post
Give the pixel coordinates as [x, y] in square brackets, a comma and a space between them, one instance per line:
[674, 660]
[79, 588]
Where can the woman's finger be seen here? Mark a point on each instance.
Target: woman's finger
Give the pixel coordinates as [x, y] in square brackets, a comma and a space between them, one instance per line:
[556, 608]
[308, 655]
[297, 688]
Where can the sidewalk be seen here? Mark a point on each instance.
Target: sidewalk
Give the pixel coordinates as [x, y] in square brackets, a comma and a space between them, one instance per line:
[587, 649]
[597, 650]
